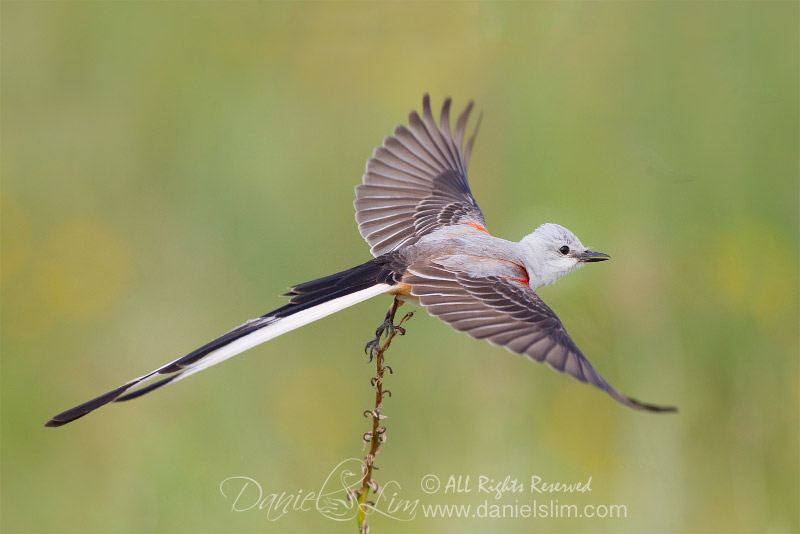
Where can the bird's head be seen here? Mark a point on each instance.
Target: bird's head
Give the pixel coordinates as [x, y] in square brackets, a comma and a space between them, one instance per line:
[551, 252]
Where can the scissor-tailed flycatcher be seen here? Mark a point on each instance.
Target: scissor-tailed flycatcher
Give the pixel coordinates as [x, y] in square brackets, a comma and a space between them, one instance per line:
[431, 246]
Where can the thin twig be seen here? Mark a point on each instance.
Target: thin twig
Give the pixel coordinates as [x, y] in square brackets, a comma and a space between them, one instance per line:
[377, 437]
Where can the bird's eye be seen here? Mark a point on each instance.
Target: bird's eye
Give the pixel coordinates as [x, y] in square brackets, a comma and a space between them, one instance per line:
[564, 250]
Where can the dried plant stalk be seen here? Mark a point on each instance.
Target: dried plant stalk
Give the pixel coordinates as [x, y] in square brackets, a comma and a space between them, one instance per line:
[377, 437]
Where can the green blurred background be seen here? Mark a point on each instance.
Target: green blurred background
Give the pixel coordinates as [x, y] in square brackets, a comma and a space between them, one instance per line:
[169, 168]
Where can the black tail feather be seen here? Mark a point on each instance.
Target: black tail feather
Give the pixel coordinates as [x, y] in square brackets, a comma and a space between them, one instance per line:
[79, 411]
[303, 296]
[148, 389]
[376, 271]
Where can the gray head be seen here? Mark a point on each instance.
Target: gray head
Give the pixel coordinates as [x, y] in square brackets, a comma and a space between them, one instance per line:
[552, 251]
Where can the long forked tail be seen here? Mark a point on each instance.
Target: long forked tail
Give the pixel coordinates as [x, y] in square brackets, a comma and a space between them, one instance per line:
[309, 301]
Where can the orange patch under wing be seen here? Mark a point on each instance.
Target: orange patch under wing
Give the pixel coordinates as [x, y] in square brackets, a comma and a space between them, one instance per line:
[401, 289]
[524, 281]
[477, 226]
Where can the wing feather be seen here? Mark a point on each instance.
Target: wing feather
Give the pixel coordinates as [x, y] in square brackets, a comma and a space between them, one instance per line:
[417, 181]
[509, 314]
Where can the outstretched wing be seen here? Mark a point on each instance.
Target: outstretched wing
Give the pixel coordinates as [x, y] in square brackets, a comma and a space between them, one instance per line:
[506, 312]
[417, 181]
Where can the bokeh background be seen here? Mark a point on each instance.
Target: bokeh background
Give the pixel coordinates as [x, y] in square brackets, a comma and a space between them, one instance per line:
[169, 168]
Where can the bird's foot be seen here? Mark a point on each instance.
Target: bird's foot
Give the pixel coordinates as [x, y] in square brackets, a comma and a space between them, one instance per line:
[387, 328]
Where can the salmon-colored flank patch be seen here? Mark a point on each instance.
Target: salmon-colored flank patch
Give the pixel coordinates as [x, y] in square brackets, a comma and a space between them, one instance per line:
[401, 289]
[524, 281]
[477, 227]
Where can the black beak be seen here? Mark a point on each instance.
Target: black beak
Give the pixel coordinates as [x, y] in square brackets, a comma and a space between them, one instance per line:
[592, 256]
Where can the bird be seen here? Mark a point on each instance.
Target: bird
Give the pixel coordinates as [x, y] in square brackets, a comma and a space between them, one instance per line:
[431, 247]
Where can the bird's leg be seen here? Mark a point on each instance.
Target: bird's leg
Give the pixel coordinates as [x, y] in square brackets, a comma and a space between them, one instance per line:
[386, 327]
